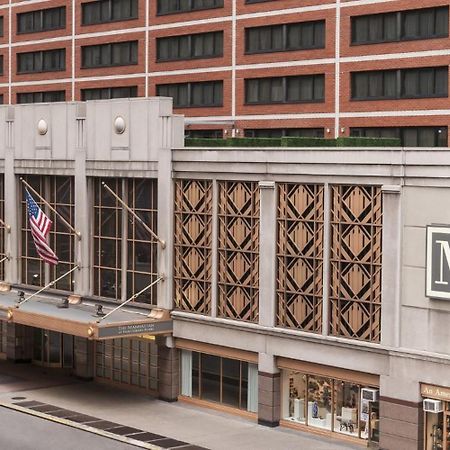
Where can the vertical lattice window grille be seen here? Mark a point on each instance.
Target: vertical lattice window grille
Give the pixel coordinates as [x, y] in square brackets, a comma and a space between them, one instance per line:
[193, 245]
[59, 192]
[356, 253]
[107, 259]
[238, 236]
[300, 223]
[142, 247]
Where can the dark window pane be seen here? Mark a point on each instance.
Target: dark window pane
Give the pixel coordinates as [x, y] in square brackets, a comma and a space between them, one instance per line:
[210, 378]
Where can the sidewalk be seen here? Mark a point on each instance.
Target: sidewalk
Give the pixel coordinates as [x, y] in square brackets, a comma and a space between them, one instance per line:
[197, 426]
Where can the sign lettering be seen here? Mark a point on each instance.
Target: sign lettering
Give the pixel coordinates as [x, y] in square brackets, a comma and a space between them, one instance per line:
[438, 262]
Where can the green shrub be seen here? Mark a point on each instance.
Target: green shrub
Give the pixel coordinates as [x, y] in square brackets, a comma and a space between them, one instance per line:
[367, 142]
[307, 142]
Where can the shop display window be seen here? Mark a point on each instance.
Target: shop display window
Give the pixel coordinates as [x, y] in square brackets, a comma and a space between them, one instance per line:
[329, 404]
[221, 380]
[437, 429]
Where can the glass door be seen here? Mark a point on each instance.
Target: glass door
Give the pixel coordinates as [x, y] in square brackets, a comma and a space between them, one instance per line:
[52, 349]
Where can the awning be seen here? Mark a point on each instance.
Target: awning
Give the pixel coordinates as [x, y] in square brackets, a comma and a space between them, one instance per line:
[81, 319]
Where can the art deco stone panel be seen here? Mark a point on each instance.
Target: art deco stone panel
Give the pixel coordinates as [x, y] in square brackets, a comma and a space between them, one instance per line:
[355, 284]
[193, 245]
[238, 239]
[300, 256]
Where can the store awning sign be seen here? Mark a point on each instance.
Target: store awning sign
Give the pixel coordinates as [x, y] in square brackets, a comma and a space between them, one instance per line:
[438, 262]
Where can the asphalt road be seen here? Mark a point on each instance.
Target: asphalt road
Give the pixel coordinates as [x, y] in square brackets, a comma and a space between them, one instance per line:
[19, 431]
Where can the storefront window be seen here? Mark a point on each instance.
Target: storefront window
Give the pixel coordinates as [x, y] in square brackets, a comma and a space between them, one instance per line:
[330, 404]
[436, 405]
[319, 402]
[223, 380]
[346, 408]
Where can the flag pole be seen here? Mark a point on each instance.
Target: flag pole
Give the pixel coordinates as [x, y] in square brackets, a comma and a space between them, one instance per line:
[131, 298]
[4, 259]
[163, 243]
[47, 286]
[68, 225]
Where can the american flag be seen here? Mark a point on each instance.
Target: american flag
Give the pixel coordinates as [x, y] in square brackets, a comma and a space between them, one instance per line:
[40, 226]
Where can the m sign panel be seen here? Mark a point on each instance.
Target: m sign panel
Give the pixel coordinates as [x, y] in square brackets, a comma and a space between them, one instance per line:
[438, 262]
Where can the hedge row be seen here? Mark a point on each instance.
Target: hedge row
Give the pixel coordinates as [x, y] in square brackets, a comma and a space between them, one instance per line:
[293, 142]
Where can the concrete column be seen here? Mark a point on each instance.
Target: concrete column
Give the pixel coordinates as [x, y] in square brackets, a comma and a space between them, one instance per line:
[168, 369]
[12, 209]
[165, 214]
[84, 358]
[267, 253]
[82, 207]
[19, 343]
[269, 391]
[391, 267]
[401, 424]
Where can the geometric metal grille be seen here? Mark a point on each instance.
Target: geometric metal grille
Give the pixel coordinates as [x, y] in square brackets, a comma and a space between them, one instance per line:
[193, 245]
[300, 256]
[238, 253]
[355, 285]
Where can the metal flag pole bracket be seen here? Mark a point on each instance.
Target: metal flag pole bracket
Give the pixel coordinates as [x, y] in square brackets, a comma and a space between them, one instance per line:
[64, 221]
[47, 286]
[160, 278]
[163, 243]
[6, 257]
[7, 227]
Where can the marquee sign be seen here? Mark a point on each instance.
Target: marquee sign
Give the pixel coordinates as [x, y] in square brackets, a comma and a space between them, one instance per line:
[438, 262]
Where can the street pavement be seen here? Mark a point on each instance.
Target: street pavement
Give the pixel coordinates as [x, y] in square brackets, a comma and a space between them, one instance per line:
[24, 432]
[193, 425]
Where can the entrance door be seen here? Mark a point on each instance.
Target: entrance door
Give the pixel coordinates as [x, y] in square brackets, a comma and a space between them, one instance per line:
[52, 349]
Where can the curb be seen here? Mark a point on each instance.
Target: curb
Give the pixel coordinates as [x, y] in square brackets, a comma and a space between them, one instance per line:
[69, 423]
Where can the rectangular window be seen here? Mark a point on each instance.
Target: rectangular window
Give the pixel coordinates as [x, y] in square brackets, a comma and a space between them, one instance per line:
[203, 93]
[42, 61]
[222, 380]
[41, 97]
[1, 25]
[424, 23]
[124, 252]
[108, 93]
[105, 11]
[42, 20]
[108, 55]
[292, 89]
[208, 134]
[401, 83]
[409, 136]
[281, 132]
[60, 193]
[330, 404]
[292, 36]
[190, 46]
[1, 64]
[178, 6]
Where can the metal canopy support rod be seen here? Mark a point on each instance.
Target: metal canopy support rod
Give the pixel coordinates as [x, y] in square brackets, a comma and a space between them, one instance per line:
[4, 259]
[163, 244]
[47, 286]
[67, 224]
[131, 298]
